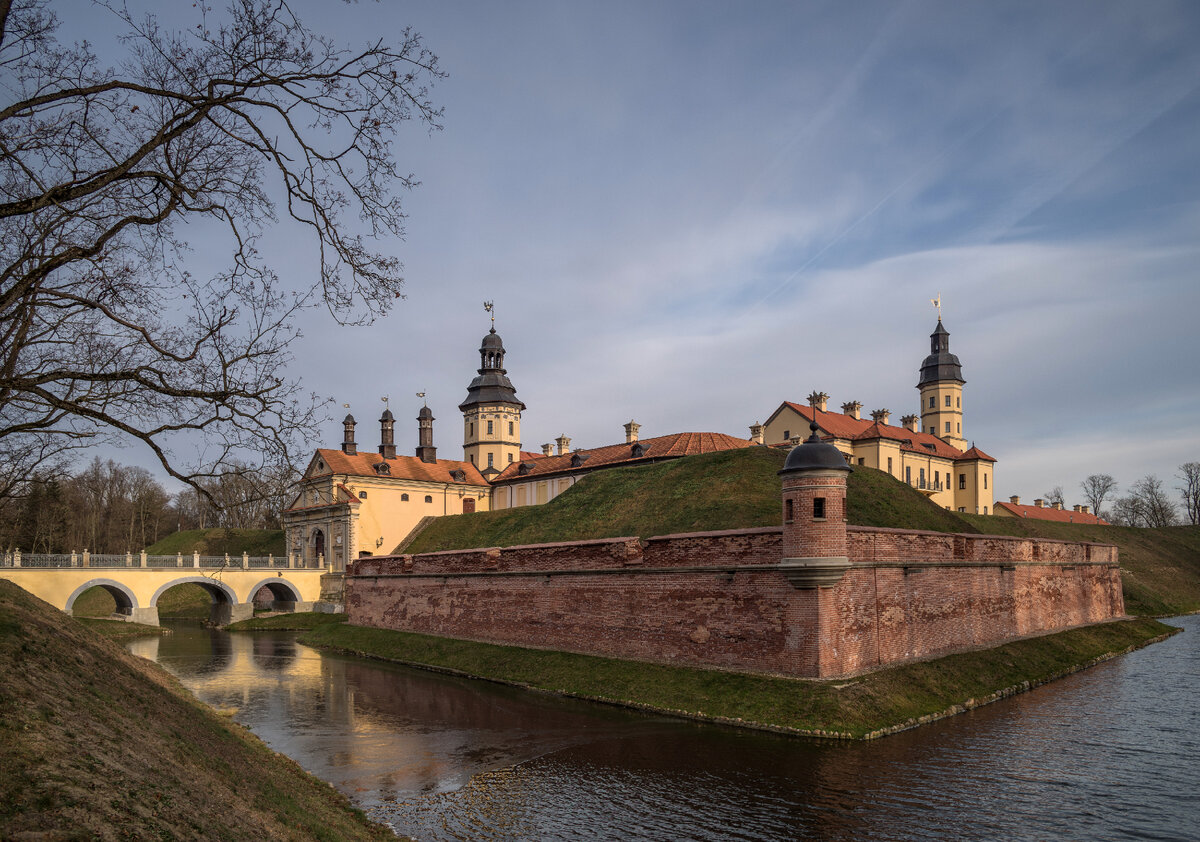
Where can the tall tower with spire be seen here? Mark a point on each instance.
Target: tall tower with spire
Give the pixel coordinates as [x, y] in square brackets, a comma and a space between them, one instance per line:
[491, 412]
[941, 387]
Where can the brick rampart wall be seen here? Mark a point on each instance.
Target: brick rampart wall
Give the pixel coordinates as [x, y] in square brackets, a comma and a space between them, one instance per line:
[716, 599]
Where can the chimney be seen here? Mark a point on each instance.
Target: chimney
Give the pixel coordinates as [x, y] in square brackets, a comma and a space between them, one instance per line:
[794, 440]
[756, 433]
[387, 441]
[881, 416]
[1038, 502]
[426, 452]
[564, 444]
[1056, 506]
[1077, 508]
[348, 445]
[852, 409]
[547, 449]
[819, 400]
[909, 422]
[1015, 500]
[631, 431]
[1084, 510]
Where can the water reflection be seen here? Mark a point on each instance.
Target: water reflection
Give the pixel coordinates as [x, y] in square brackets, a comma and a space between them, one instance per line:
[1104, 754]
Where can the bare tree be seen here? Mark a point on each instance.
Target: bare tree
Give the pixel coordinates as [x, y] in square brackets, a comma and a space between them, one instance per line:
[104, 332]
[1055, 495]
[1096, 488]
[1147, 504]
[1190, 474]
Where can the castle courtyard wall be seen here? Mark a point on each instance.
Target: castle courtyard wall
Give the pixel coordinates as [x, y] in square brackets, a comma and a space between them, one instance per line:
[719, 599]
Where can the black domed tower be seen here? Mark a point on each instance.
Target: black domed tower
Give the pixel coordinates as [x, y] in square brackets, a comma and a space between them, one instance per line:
[491, 412]
[941, 387]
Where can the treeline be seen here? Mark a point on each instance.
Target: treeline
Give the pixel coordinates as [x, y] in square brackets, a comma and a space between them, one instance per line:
[1147, 502]
[113, 508]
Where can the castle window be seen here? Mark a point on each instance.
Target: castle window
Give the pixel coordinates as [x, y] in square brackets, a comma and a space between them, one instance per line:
[962, 481]
[362, 495]
[510, 458]
[947, 426]
[985, 510]
[403, 498]
[960, 429]
[787, 435]
[931, 401]
[489, 428]
[962, 508]
[947, 401]
[818, 508]
[471, 429]
[490, 455]
[985, 484]
[889, 464]
[922, 485]
[510, 428]
[958, 403]
[787, 511]
[862, 461]
[908, 474]
[428, 498]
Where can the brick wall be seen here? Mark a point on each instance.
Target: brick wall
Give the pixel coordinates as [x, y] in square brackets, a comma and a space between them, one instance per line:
[715, 599]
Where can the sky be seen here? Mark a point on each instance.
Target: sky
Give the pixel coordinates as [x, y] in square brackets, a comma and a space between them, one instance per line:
[687, 213]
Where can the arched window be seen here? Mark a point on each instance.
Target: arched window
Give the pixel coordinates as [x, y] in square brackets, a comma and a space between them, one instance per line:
[428, 498]
[403, 498]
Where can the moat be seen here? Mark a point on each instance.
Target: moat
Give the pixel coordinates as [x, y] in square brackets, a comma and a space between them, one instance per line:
[1109, 753]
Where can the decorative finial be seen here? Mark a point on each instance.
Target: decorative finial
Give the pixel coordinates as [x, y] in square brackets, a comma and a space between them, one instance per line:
[346, 405]
[385, 402]
[490, 307]
[937, 302]
[421, 395]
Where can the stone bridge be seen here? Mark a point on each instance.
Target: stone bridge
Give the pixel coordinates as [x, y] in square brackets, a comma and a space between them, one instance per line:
[137, 581]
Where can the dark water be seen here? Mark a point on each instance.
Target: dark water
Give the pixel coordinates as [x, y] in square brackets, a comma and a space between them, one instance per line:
[1111, 753]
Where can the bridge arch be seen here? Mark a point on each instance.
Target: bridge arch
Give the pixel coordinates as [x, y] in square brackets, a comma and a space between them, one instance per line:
[220, 592]
[122, 595]
[281, 590]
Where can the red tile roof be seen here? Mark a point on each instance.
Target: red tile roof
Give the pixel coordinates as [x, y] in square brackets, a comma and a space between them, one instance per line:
[652, 450]
[842, 426]
[1051, 513]
[402, 467]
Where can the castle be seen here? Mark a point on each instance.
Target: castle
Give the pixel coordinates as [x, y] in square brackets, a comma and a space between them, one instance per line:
[352, 504]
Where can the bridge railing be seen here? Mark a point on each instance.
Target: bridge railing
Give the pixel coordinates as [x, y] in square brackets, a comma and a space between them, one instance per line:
[16, 558]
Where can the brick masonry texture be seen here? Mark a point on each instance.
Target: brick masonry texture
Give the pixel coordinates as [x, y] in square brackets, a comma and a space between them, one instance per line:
[715, 599]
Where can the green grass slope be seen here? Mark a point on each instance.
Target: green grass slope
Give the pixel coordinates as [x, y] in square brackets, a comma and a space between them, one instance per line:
[735, 489]
[256, 542]
[98, 744]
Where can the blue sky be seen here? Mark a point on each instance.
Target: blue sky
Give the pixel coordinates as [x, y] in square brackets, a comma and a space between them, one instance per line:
[687, 213]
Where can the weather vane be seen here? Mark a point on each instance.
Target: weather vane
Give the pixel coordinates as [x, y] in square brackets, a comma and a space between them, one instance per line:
[385, 402]
[421, 395]
[937, 302]
[490, 307]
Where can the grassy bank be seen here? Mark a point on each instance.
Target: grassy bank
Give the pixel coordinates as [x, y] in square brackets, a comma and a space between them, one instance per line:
[302, 621]
[256, 542]
[98, 744]
[886, 699]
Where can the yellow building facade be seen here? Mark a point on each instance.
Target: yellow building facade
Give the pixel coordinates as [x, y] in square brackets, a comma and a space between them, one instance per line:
[929, 452]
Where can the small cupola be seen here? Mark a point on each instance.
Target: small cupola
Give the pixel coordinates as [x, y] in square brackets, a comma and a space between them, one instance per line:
[348, 445]
[426, 452]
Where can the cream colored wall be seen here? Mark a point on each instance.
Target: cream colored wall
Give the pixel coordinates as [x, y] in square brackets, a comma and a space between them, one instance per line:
[385, 518]
[478, 443]
[975, 498]
[788, 420]
[531, 492]
[934, 420]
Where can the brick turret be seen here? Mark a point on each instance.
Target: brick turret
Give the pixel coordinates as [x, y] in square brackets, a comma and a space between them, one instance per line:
[814, 514]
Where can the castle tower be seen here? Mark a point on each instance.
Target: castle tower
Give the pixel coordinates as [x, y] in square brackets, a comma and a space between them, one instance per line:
[426, 452]
[814, 513]
[491, 412]
[348, 445]
[941, 387]
[387, 435]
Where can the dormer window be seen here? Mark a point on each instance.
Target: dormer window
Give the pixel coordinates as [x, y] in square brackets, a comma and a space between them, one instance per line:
[578, 459]
[458, 475]
[638, 449]
[524, 468]
[383, 469]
